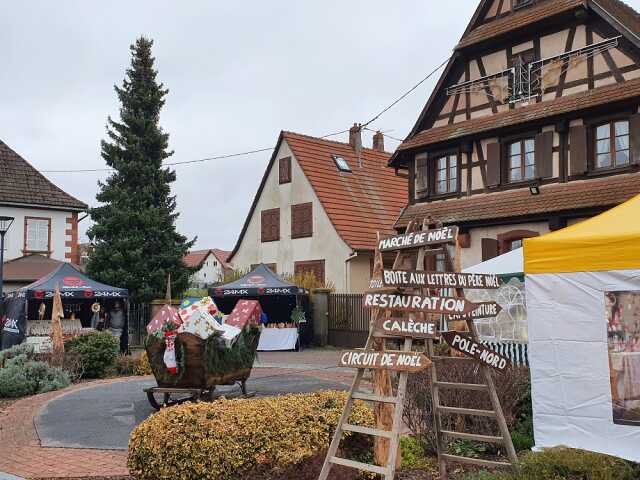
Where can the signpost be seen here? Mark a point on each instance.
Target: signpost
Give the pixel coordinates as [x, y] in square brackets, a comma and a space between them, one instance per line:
[481, 310]
[464, 343]
[404, 327]
[397, 361]
[418, 239]
[418, 303]
[417, 279]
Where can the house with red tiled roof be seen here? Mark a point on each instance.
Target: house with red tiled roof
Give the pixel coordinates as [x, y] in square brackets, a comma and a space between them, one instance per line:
[534, 124]
[319, 207]
[45, 225]
[212, 264]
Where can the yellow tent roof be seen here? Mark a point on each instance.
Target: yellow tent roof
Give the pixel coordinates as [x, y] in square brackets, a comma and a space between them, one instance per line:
[610, 241]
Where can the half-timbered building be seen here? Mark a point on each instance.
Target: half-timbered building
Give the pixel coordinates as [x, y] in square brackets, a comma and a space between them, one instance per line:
[532, 126]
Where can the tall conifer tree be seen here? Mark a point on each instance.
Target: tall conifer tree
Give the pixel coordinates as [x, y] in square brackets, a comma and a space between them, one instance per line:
[136, 245]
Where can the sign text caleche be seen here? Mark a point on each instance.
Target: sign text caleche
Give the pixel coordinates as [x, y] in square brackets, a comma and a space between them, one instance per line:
[418, 303]
[419, 239]
[385, 360]
[464, 343]
[405, 327]
[415, 279]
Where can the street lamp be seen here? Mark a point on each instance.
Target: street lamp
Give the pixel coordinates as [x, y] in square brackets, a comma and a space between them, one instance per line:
[5, 223]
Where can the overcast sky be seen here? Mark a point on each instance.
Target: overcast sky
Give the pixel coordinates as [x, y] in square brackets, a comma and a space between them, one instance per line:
[238, 73]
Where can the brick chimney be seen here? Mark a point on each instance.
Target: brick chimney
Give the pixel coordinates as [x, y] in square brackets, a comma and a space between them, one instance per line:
[378, 141]
[355, 137]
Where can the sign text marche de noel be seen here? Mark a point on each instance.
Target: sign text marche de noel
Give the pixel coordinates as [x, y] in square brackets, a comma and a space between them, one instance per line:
[418, 239]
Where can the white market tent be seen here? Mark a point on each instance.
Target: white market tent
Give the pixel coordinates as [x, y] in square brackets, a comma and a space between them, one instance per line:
[583, 301]
[511, 263]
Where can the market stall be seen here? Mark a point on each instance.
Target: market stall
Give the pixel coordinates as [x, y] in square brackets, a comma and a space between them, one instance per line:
[86, 304]
[583, 302]
[286, 307]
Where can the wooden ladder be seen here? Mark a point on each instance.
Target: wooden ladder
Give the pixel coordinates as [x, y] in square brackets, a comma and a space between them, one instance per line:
[487, 387]
[388, 471]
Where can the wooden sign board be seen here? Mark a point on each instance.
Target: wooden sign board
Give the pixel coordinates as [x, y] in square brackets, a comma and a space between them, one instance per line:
[419, 239]
[418, 303]
[464, 343]
[405, 327]
[415, 279]
[481, 310]
[396, 361]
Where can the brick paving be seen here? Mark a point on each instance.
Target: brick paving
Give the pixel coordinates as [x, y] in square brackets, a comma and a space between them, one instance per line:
[22, 454]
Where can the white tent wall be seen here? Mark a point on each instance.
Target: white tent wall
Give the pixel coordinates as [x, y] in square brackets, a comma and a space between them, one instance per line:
[569, 361]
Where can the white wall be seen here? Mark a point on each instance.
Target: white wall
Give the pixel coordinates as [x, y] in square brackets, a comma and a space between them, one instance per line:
[14, 239]
[210, 272]
[473, 255]
[325, 244]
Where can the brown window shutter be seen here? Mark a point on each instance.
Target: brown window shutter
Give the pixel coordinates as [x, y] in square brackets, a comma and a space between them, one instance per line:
[275, 225]
[264, 226]
[634, 138]
[422, 175]
[490, 247]
[544, 155]
[285, 170]
[294, 221]
[493, 165]
[308, 219]
[579, 152]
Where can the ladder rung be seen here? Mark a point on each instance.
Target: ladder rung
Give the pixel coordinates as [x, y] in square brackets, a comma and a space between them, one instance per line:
[475, 461]
[367, 431]
[372, 397]
[467, 411]
[465, 359]
[462, 386]
[359, 465]
[472, 436]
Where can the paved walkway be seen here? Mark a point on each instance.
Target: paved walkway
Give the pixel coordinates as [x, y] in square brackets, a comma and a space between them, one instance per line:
[24, 455]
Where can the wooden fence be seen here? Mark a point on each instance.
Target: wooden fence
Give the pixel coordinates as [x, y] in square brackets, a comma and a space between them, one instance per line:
[348, 322]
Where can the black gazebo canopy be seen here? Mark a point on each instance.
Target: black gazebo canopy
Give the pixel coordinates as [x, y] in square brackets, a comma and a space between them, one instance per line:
[257, 283]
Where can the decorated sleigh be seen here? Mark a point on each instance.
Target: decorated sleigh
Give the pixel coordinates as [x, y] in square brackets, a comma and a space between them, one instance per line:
[194, 349]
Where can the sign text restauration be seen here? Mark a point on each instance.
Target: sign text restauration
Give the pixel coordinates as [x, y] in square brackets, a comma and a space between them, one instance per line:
[418, 303]
[419, 239]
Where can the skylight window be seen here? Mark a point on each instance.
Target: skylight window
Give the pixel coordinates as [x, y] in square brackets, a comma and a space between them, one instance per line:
[341, 163]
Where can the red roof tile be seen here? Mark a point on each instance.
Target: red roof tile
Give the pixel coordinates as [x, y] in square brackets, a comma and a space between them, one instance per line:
[21, 183]
[570, 197]
[195, 258]
[360, 203]
[550, 108]
[526, 16]
[29, 268]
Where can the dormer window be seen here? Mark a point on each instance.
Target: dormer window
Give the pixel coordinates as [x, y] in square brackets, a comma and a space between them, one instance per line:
[341, 163]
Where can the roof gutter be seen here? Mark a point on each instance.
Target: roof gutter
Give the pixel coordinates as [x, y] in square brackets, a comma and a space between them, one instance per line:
[60, 208]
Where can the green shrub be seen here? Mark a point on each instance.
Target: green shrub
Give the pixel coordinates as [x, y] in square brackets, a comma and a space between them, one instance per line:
[99, 352]
[16, 350]
[413, 454]
[143, 367]
[231, 439]
[21, 377]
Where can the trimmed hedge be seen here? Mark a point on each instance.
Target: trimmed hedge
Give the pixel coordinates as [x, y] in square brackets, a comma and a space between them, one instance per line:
[232, 439]
[21, 376]
[98, 350]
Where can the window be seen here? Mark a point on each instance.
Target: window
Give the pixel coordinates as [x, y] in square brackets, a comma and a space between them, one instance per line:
[522, 160]
[272, 266]
[612, 144]
[37, 235]
[215, 263]
[513, 240]
[517, 4]
[421, 174]
[446, 174]
[315, 266]
[285, 170]
[302, 220]
[270, 225]
[341, 163]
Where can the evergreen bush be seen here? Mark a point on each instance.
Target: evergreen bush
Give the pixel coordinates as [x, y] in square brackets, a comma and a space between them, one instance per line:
[21, 377]
[99, 352]
[233, 439]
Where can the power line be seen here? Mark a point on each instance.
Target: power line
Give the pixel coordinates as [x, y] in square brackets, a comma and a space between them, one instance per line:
[404, 95]
[259, 150]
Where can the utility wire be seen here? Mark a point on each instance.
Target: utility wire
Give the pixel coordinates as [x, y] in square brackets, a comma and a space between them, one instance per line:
[259, 150]
[403, 96]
